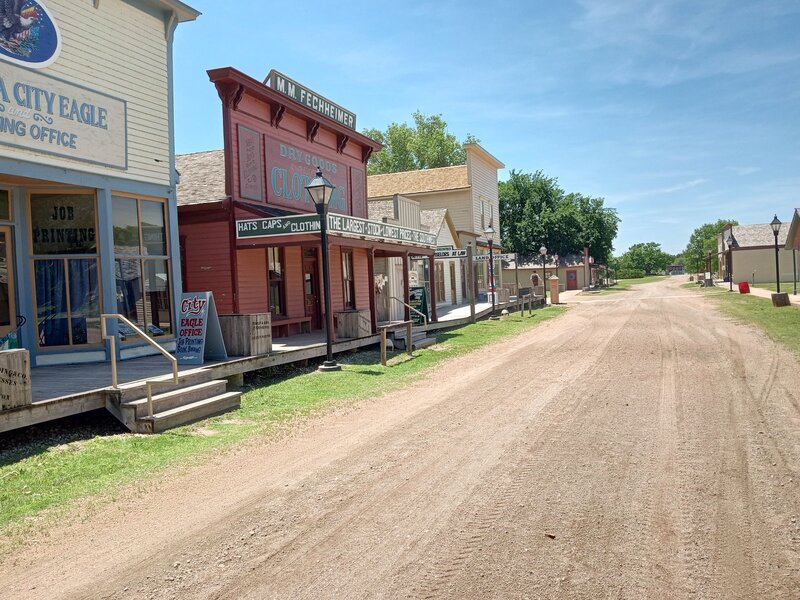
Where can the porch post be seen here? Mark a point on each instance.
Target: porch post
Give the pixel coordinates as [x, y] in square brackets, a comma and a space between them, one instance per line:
[371, 276]
[470, 284]
[107, 264]
[406, 285]
[431, 267]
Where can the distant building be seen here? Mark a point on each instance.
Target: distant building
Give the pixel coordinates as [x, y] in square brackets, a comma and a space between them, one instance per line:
[752, 254]
[675, 270]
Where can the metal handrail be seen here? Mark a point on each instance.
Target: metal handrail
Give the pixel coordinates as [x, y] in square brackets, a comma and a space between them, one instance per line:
[421, 314]
[112, 339]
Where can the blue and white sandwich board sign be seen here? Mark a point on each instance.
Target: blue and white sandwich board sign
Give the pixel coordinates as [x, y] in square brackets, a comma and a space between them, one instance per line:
[199, 333]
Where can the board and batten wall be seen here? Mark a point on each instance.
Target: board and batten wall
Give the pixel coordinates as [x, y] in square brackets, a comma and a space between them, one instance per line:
[121, 50]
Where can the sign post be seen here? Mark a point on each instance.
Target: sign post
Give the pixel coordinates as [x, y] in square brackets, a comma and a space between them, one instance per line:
[199, 333]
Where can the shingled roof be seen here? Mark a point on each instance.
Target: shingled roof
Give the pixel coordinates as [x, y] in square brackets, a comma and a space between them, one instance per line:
[202, 177]
[432, 219]
[746, 236]
[416, 182]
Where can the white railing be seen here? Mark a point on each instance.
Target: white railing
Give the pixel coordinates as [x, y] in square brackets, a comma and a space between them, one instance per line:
[421, 314]
[112, 339]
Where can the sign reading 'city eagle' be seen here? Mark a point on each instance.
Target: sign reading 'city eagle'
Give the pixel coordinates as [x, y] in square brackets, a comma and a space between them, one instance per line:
[345, 225]
[303, 95]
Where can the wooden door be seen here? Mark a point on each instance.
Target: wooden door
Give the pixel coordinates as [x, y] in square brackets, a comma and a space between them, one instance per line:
[572, 280]
[311, 287]
[8, 311]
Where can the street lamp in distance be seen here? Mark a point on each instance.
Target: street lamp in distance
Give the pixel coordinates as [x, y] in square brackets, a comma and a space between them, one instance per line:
[489, 233]
[543, 252]
[776, 227]
[729, 242]
[321, 191]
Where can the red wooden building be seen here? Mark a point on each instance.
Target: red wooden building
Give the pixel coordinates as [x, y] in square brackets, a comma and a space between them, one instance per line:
[241, 232]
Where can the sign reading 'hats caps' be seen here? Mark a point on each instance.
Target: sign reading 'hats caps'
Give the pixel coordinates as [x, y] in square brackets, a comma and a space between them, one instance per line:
[299, 93]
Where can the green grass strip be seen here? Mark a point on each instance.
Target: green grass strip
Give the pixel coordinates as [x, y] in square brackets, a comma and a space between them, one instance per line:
[624, 285]
[50, 475]
[779, 323]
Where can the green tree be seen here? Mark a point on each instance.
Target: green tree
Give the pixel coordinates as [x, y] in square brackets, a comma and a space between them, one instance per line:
[647, 257]
[534, 210]
[703, 242]
[425, 145]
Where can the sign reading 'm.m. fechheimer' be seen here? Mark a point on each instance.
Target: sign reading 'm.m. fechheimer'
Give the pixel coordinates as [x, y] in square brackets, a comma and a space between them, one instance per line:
[303, 95]
[353, 226]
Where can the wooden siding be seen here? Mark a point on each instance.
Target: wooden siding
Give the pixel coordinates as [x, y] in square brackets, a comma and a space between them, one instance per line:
[361, 275]
[253, 292]
[120, 50]
[457, 204]
[483, 183]
[208, 261]
[295, 296]
[337, 286]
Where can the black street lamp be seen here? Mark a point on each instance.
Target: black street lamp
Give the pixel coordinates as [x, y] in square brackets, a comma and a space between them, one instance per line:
[543, 252]
[321, 191]
[776, 227]
[729, 242]
[489, 233]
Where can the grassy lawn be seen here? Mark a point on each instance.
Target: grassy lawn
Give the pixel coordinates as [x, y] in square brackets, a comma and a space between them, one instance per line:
[44, 476]
[624, 285]
[781, 324]
[786, 286]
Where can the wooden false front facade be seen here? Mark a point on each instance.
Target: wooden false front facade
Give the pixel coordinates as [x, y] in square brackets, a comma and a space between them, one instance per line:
[273, 146]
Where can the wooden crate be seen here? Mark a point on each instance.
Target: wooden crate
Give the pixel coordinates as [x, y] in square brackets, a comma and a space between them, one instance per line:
[247, 335]
[353, 324]
[15, 379]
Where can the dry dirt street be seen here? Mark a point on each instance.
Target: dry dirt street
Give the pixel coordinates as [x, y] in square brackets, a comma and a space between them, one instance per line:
[640, 446]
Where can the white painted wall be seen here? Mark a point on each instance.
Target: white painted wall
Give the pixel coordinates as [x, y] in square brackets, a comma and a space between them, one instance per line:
[120, 50]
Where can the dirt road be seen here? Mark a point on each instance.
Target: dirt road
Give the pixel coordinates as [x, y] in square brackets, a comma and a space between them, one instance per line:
[641, 446]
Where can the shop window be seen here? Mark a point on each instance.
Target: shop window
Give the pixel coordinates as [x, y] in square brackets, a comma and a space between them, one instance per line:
[142, 266]
[66, 275]
[5, 205]
[275, 277]
[348, 282]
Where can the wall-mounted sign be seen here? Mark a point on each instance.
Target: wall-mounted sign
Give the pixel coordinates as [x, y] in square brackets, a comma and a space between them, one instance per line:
[443, 254]
[199, 332]
[341, 224]
[250, 166]
[28, 34]
[291, 167]
[303, 95]
[485, 257]
[45, 114]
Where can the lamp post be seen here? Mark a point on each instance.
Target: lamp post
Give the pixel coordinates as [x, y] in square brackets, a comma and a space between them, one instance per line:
[489, 233]
[555, 259]
[321, 191]
[776, 227]
[543, 252]
[591, 275]
[729, 242]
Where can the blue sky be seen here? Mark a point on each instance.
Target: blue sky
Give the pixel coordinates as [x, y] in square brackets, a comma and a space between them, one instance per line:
[677, 113]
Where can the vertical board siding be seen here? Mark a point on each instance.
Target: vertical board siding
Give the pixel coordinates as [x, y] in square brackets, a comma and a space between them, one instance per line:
[483, 181]
[337, 285]
[295, 296]
[120, 50]
[253, 293]
[208, 261]
[361, 273]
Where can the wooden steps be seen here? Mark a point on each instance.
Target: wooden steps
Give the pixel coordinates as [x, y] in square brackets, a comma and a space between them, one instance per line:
[419, 339]
[195, 397]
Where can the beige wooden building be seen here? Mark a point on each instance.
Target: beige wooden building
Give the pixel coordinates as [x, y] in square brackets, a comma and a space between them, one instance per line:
[752, 256]
[469, 192]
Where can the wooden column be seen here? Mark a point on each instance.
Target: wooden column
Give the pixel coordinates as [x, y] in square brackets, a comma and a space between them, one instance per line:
[371, 276]
[406, 286]
[432, 268]
[470, 284]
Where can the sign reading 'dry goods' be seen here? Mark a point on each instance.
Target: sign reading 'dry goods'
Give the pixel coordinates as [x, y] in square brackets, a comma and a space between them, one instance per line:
[45, 114]
[305, 224]
[291, 168]
[303, 95]
[199, 332]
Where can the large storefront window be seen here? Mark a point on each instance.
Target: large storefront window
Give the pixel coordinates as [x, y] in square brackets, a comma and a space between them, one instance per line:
[275, 278]
[142, 266]
[348, 282]
[65, 268]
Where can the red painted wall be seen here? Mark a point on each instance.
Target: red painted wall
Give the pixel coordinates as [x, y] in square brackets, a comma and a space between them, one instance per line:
[253, 292]
[361, 274]
[208, 261]
[295, 295]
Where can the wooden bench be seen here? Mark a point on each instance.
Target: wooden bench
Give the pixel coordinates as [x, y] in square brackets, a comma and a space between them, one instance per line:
[282, 325]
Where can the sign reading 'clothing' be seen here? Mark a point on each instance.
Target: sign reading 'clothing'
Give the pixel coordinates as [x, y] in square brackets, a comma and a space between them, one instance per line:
[345, 225]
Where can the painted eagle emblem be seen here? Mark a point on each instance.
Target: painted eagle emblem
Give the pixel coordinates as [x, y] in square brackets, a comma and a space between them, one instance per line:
[13, 19]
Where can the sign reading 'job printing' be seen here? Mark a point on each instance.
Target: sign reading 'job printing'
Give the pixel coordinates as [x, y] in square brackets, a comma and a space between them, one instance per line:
[304, 224]
[303, 95]
[44, 114]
